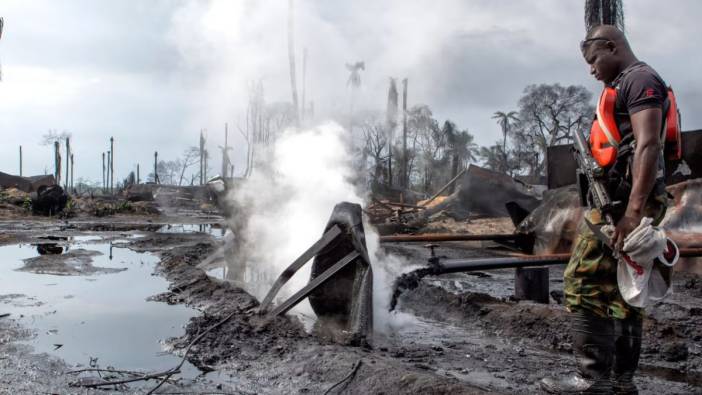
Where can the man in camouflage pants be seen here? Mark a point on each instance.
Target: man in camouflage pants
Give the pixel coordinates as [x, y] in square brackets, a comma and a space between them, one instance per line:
[606, 330]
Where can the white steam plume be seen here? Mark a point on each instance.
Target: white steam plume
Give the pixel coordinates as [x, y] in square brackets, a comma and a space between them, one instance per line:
[284, 207]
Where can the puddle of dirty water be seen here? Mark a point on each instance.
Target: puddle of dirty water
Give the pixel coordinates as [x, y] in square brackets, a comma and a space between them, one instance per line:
[257, 283]
[104, 316]
[214, 230]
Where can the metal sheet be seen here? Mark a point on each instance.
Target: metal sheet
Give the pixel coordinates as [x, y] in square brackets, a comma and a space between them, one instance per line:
[561, 164]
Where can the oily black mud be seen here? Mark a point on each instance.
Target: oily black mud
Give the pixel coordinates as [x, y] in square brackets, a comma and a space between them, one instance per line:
[671, 345]
[274, 355]
[466, 342]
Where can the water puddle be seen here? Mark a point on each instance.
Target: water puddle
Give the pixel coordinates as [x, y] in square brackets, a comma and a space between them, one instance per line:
[214, 230]
[101, 317]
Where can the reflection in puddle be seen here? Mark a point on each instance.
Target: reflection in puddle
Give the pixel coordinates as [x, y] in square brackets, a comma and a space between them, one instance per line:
[81, 318]
[257, 280]
[49, 249]
[214, 230]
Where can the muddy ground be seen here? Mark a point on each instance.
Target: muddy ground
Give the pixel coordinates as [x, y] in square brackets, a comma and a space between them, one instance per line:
[452, 334]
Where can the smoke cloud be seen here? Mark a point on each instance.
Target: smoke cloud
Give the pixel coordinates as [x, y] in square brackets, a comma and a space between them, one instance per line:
[284, 206]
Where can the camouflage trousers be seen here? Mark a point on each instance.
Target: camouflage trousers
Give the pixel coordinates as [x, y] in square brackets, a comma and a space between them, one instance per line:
[590, 279]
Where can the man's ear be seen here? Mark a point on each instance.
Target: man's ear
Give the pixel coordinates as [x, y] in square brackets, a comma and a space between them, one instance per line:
[611, 46]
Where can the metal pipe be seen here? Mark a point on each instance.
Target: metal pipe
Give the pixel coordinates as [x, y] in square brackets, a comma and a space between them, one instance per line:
[431, 237]
[468, 265]
[445, 266]
[690, 252]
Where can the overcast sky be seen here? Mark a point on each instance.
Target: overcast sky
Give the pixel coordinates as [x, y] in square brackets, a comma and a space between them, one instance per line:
[152, 73]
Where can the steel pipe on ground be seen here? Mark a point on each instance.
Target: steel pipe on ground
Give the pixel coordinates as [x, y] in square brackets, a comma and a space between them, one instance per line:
[520, 261]
[448, 237]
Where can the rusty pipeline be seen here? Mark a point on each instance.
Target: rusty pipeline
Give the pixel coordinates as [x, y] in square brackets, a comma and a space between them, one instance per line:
[445, 266]
[432, 237]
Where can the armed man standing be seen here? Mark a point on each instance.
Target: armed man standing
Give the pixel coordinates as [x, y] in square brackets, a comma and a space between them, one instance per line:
[627, 142]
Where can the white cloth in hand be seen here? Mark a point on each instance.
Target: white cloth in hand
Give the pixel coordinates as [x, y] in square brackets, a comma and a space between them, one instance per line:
[643, 282]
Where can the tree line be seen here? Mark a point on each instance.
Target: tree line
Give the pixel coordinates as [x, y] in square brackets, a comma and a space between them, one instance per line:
[430, 155]
[546, 115]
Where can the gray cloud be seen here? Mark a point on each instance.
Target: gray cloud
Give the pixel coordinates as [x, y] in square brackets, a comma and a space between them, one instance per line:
[153, 73]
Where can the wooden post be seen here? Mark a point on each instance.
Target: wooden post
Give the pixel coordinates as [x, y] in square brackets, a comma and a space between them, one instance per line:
[405, 178]
[304, 83]
[202, 157]
[390, 125]
[68, 159]
[72, 188]
[156, 167]
[291, 58]
[57, 163]
[531, 283]
[224, 151]
[203, 178]
[20, 161]
[112, 165]
[204, 169]
[107, 180]
[103, 172]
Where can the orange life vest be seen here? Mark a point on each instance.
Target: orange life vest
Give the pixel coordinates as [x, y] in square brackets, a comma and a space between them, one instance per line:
[605, 136]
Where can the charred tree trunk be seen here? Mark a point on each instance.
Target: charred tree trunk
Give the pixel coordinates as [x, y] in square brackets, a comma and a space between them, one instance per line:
[202, 158]
[404, 174]
[72, 188]
[291, 57]
[156, 180]
[57, 163]
[224, 151]
[112, 165]
[303, 106]
[391, 124]
[68, 158]
[107, 180]
[103, 172]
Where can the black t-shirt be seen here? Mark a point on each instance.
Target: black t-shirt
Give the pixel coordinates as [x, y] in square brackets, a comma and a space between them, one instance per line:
[639, 87]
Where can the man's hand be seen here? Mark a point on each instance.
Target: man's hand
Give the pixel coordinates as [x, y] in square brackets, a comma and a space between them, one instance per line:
[625, 225]
[646, 125]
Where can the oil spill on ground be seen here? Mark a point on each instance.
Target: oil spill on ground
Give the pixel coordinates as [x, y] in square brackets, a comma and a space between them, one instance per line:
[100, 317]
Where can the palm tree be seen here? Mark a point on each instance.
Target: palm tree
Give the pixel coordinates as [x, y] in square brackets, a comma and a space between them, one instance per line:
[461, 145]
[354, 83]
[505, 120]
[355, 73]
[496, 159]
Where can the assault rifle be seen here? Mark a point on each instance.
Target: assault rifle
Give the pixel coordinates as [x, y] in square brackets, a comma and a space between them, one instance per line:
[591, 179]
[594, 175]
